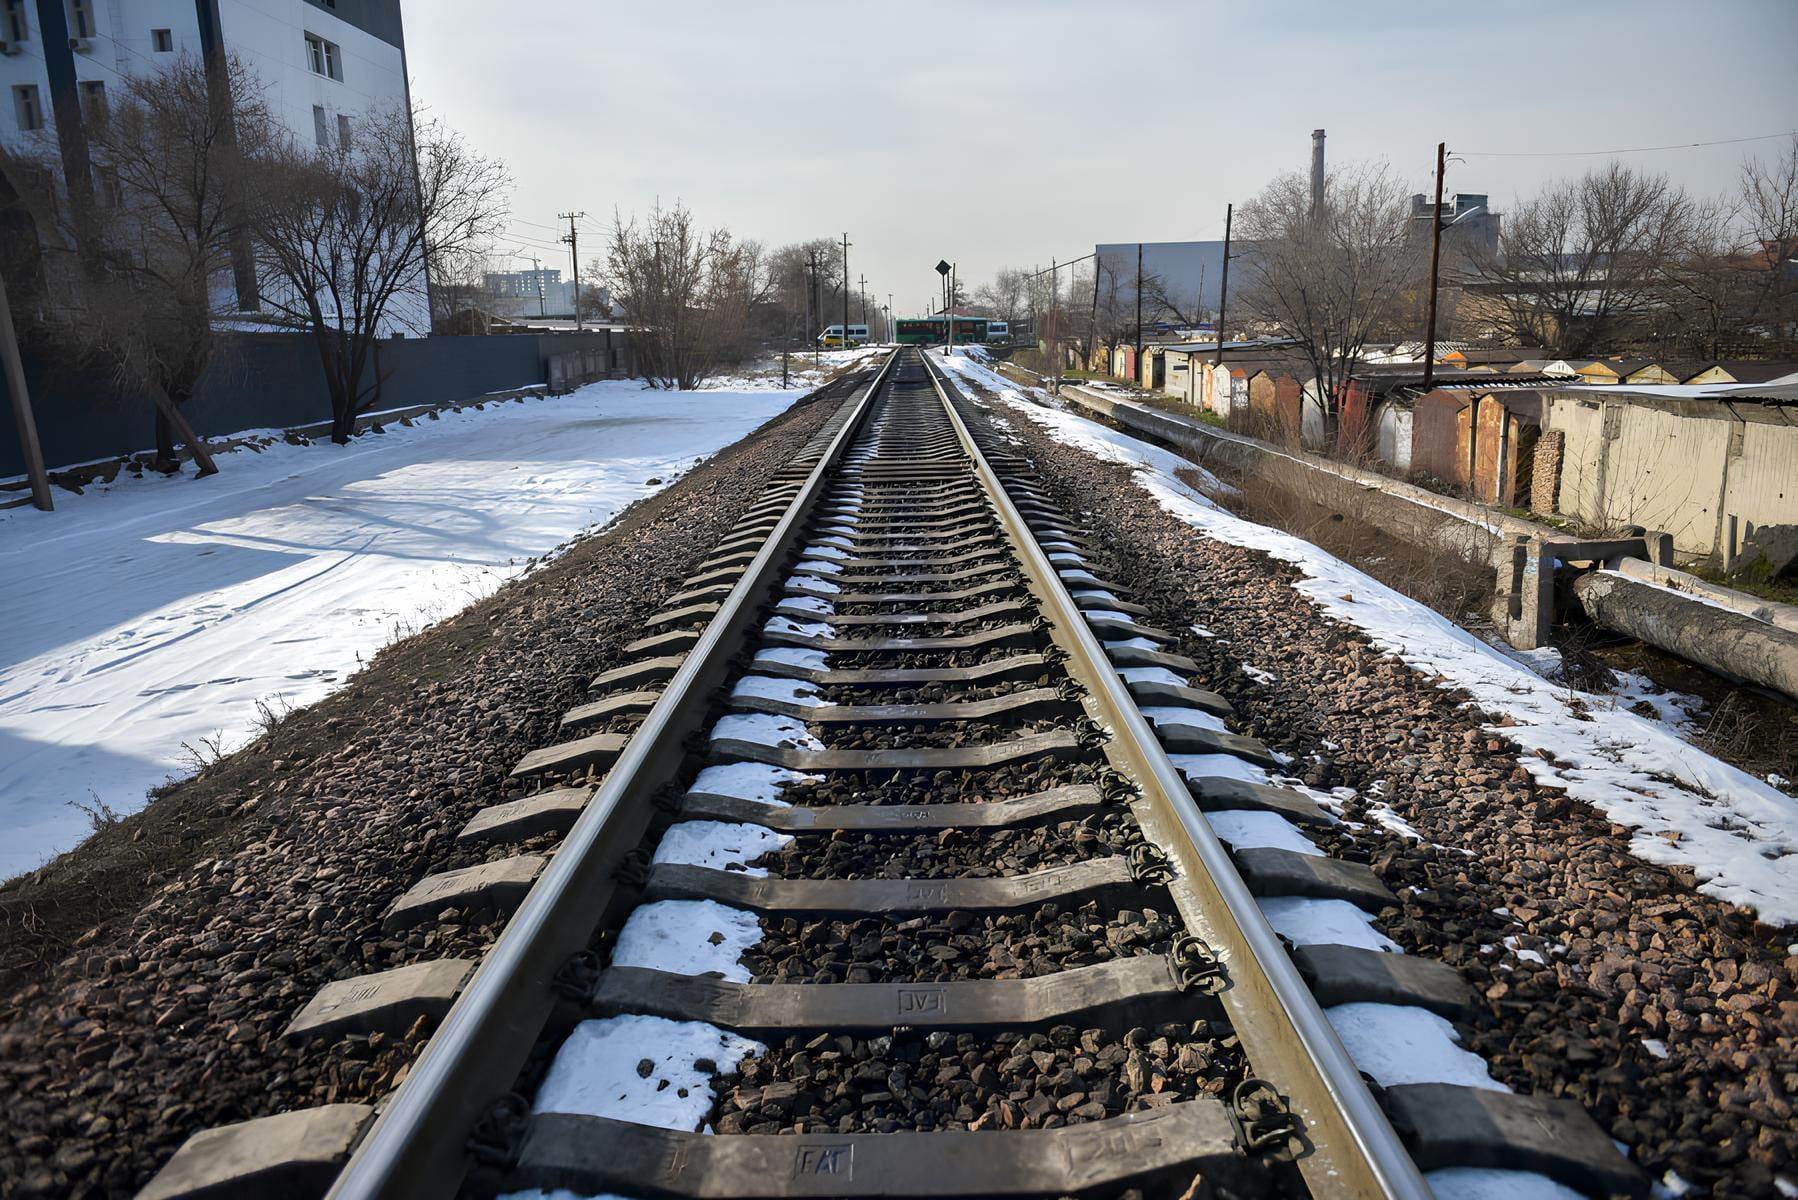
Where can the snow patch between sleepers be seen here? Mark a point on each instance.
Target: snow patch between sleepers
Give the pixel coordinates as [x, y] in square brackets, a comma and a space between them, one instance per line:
[720, 845]
[766, 729]
[688, 937]
[761, 782]
[596, 1071]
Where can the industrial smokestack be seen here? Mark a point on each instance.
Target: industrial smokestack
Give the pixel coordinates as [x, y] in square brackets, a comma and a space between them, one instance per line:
[1317, 169]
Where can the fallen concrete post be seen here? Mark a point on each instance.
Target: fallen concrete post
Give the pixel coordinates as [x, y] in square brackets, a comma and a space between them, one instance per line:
[1783, 615]
[1710, 635]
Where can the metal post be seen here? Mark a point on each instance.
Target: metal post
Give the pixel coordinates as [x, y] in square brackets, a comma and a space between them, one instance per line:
[949, 307]
[1223, 292]
[574, 258]
[14, 367]
[1429, 337]
[845, 291]
[861, 291]
[1139, 311]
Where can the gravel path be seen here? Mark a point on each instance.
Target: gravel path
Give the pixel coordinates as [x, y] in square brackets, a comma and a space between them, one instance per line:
[167, 1020]
[1672, 1017]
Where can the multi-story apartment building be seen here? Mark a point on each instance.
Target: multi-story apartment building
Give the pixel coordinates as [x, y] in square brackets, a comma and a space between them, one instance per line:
[320, 63]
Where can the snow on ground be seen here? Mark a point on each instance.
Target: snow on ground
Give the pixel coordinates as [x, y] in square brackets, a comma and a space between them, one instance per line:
[1736, 833]
[1401, 1043]
[155, 612]
[720, 845]
[688, 937]
[599, 1070]
[761, 782]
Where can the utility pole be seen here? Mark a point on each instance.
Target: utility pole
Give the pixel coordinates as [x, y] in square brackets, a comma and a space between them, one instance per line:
[889, 316]
[861, 289]
[537, 273]
[818, 309]
[1429, 337]
[949, 308]
[1139, 311]
[14, 367]
[1223, 291]
[845, 291]
[1055, 325]
[574, 258]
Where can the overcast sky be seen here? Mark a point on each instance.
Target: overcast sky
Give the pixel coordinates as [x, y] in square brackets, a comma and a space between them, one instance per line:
[999, 134]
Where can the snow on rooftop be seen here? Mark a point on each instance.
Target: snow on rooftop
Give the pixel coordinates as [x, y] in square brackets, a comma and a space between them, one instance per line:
[688, 937]
[598, 1072]
[1736, 833]
[151, 612]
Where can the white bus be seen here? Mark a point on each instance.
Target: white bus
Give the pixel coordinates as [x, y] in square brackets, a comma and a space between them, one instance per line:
[832, 338]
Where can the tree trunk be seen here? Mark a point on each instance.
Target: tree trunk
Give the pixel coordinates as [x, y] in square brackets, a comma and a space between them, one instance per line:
[166, 411]
[165, 460]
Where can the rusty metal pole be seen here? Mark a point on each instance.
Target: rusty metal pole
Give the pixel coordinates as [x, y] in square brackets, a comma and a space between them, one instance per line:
[29, 449]
[1429, 336]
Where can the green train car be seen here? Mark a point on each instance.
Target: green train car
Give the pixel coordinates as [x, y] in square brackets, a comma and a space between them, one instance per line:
[932, 331]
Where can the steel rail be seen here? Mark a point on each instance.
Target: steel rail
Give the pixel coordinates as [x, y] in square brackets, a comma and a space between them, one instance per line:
[417, 1145]
[1353, 1150]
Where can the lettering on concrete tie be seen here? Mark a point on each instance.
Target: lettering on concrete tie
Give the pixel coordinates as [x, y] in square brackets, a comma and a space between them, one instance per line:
[927, 893]
[837, 1161]
[915, 1002]
[367, 991]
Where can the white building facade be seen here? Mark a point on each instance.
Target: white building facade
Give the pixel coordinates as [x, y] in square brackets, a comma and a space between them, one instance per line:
[320, 63]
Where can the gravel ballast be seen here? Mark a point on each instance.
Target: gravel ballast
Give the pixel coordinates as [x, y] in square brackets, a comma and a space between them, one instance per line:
[1671, 1016]
[165, 1020]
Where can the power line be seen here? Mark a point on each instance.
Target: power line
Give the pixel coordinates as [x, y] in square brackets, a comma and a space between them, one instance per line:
[1760, 137]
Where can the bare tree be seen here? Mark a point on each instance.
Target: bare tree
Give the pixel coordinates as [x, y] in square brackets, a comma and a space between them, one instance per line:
[142, 263]
[1580, 265]
[1769, 214]
[690, 290]
[1005, 295]
[1331, 279]
[345, 231]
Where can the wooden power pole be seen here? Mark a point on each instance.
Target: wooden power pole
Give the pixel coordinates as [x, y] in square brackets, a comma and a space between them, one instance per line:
[845, 291]
[1429, 334]
[14, 367]
[574, 259]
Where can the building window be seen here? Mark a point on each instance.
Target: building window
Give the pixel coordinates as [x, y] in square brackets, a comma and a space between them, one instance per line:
[17, 28]
[162, 40]
[324, 57]
[343, 131]
[81, 19]
[321, 127]
[27, 107]
[93, 99]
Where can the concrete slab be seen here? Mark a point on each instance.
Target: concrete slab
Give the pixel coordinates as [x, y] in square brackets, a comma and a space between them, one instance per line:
[1449, 1126]
[553, 811]
[1273, 872]
[498, 885]
[1352, 974]
[384, 1002]
[290, 1154]
[598, 749]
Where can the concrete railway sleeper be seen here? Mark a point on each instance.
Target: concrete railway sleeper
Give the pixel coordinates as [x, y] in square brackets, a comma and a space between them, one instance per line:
[891, 862]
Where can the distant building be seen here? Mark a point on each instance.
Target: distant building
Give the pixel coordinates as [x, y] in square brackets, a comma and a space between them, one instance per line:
[321, 65]
[537, 293]
[1182, 281]
[1469, 229]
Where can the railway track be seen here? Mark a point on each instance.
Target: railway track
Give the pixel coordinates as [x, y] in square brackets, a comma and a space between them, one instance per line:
[886, 856]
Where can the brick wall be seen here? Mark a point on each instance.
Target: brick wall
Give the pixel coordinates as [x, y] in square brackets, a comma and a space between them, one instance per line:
[1545, 486]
